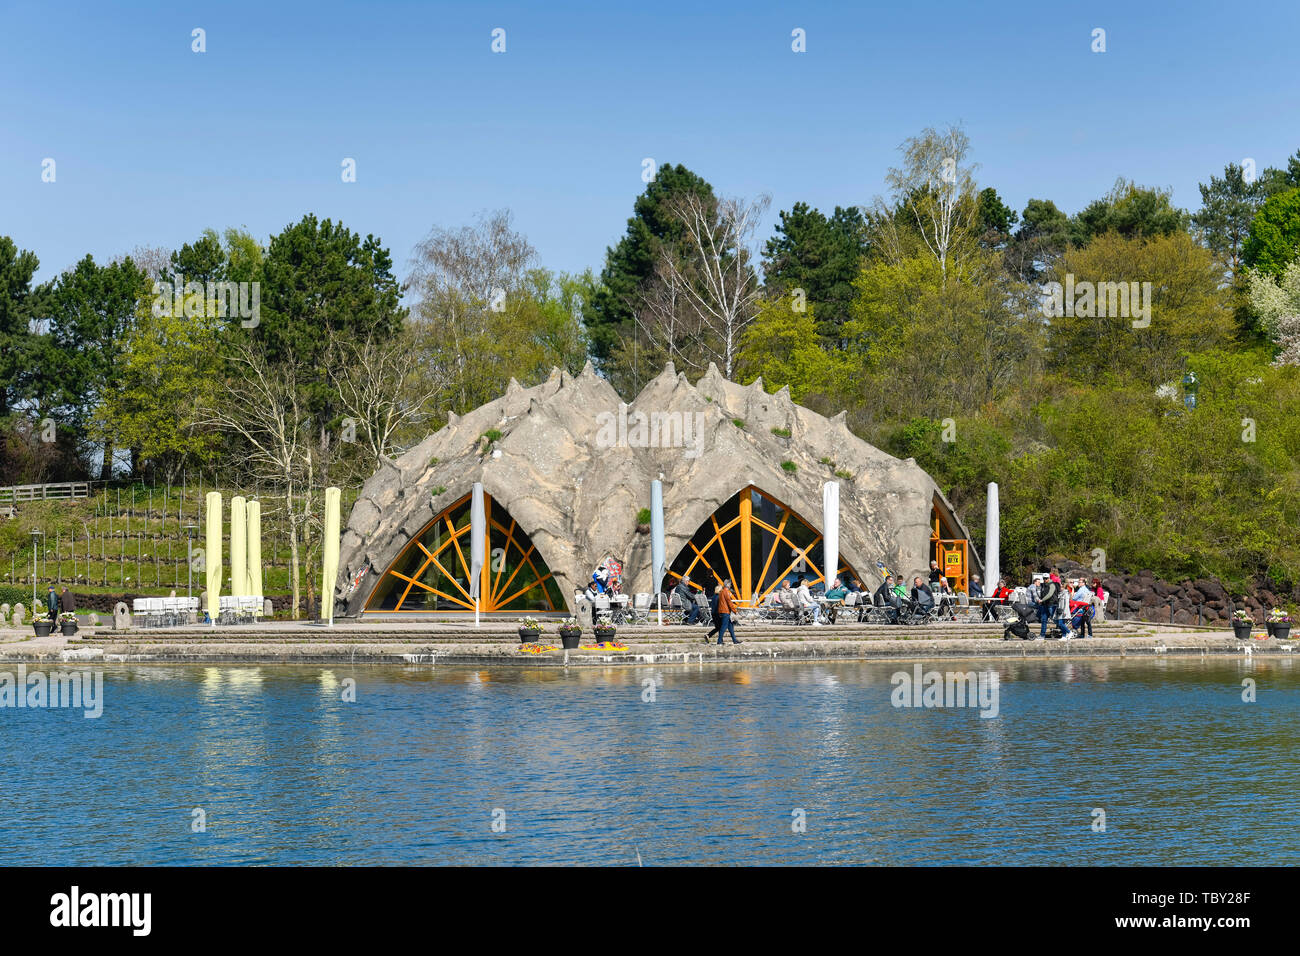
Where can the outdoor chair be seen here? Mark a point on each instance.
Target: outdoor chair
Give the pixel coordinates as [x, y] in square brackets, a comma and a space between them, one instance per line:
[878, 614]
[848, 609]
[916, 612]
[672, 605]
[639, 612]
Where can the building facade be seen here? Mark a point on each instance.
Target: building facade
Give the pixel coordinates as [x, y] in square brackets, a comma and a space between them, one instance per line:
[567, 469]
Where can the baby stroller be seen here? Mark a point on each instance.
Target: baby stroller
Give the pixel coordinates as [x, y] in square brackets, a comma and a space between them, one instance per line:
[1018, 620]
[1080, 617]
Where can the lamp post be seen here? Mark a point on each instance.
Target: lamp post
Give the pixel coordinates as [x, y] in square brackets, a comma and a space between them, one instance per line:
[35, 534]
[189, 568]
[1189, 391]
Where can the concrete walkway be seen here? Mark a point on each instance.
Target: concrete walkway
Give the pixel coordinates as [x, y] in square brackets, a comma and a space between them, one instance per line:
[494, 644]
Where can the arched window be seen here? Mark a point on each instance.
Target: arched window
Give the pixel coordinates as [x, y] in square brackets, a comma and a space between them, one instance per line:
[756, 541]
[432, 572]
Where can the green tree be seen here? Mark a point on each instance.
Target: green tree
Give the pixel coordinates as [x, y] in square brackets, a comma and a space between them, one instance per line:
[1274, 180]
[1039, 242]
[819, 254]
[935, 347]
[1188, 308]
[630, 265]
[165, 376]
[1274, 239]
[782, 347]
[92, 310]
[487, 313]
[320, 279]
[19, 305]
[1228, 205]
[994, 218]
[1131, 210]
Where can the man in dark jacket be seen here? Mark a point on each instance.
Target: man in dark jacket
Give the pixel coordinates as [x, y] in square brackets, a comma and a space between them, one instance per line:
[885, 597]
[52, 604]
[935, 573]
[1049, 594]
[686, 594]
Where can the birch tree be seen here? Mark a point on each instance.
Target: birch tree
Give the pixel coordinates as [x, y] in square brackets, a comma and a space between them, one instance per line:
[383, 389]
[262, 403]
[934, 192]
[712, 269]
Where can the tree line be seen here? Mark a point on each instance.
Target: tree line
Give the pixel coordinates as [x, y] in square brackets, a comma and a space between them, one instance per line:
[302, 361]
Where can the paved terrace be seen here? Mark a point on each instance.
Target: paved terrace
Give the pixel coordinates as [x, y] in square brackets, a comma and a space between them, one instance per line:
[497, 642]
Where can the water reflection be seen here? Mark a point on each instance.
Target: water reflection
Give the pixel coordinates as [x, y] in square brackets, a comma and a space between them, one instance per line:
[589, 766]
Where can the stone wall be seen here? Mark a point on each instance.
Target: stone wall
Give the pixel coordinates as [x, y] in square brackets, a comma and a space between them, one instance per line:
[1143, 596]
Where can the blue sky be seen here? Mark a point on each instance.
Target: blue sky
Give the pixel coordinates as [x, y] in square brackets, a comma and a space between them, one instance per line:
[154, 142]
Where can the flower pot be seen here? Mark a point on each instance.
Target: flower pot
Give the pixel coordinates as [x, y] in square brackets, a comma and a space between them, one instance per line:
[1281, 631]
[569, 637]
[528, 634]
[42, 628]
[1241, 629]
[1269, 626]
[604, 634]
[69, 628]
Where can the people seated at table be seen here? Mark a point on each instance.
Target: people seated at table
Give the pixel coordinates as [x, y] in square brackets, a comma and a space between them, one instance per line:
[944, 597]
[835, 599]
[686, 594]
[1002, 595]
[886, 596]
[921, 594]
[976, 590]
[806, 600]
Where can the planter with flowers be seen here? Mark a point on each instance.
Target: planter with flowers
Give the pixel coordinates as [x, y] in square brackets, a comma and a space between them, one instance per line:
[68, 623]
[529, 629]
[1279, 624]
[41, 622]
[570, 633]
[1242, 623]
[604, 631]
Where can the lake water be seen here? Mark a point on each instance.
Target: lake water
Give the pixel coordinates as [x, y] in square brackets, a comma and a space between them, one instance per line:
[581, 766]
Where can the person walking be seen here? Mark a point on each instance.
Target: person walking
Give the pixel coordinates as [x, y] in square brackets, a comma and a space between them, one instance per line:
[52, 604]
[66, 603]
[726, 607]
[713, 609]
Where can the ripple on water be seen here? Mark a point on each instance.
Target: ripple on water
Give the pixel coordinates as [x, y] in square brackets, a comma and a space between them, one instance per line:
[715, 769]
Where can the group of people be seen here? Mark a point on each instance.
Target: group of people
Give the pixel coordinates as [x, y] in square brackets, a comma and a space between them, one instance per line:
[1055, 600]
[1070, 603]
[721, 602]
[56, 603]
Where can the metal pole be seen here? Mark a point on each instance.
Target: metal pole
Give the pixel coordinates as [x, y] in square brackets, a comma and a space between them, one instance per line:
[34, 570]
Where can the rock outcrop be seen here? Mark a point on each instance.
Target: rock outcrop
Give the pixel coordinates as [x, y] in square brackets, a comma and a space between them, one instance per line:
[573, 466]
